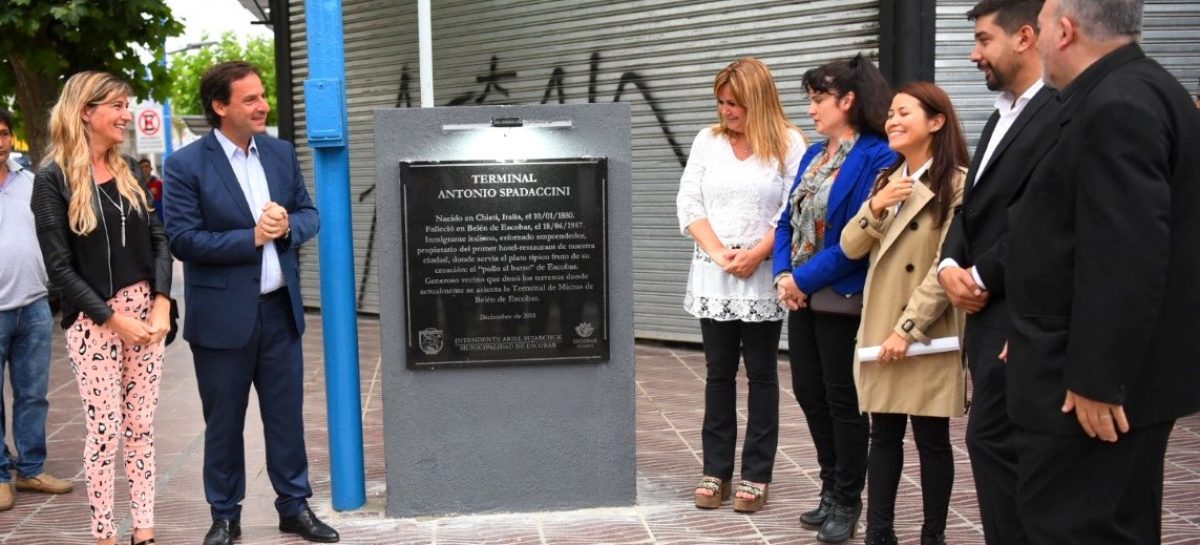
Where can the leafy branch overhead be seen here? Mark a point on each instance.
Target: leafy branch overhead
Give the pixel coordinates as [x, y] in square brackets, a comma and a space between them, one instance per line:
[187, 68]
[42, 42]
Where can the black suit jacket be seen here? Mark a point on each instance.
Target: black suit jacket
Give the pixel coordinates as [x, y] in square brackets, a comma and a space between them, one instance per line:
[977, 235]
[1103, 266]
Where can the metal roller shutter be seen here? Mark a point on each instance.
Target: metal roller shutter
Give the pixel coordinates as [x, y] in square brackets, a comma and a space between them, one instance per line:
[381, 58]
[1171, 35]
[659, 55]
[955, 72]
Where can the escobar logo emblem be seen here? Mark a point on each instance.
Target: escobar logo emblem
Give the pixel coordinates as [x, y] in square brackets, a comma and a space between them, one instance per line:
[584, 330]
[431, 340]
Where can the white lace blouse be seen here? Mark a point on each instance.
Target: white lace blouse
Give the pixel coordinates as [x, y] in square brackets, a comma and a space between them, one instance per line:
[742, 200]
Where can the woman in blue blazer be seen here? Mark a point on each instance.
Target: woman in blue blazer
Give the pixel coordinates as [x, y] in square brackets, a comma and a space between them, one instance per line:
[822, 287]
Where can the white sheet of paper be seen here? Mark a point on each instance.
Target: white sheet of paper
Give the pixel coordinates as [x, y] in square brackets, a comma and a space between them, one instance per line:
[935, 346]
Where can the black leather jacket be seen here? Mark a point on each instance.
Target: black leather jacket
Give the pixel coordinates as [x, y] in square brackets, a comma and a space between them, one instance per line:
[78, 266]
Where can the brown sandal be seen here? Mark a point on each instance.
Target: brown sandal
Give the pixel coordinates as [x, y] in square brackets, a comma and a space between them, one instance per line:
[750, 506]
[721, 490]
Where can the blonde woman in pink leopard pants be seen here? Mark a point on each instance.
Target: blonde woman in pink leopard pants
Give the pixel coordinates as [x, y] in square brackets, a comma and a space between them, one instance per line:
[118, 383]
[106, 253]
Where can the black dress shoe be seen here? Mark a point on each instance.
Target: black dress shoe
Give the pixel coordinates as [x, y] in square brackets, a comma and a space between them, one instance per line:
[223, 532]
[816, 517]
[841, 523]
[309, 527]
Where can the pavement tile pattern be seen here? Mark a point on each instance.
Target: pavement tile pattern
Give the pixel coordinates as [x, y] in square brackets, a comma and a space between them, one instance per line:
[670, 387]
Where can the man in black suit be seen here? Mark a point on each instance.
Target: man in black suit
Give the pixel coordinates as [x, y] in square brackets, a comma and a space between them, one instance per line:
[1101, 277]
[972, 268]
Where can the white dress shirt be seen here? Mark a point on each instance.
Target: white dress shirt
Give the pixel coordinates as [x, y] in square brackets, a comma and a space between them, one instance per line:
[1009, 110]
[253, 180]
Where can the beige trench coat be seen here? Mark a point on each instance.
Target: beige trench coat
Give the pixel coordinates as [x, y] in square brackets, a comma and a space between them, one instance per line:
[902, 295]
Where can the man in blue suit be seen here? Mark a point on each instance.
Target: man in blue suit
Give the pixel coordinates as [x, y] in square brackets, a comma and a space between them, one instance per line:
[236, 211]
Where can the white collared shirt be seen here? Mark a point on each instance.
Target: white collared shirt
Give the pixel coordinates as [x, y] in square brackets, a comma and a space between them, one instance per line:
[253, 180]
[916, 176]
[1009, 110]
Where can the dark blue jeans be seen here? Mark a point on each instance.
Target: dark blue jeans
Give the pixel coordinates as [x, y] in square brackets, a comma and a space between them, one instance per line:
[25, 349]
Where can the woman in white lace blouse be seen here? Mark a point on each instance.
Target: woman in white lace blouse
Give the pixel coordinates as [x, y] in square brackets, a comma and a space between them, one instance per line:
[730, 198]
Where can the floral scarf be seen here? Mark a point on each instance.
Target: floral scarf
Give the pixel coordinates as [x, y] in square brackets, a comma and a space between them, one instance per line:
[810, 203]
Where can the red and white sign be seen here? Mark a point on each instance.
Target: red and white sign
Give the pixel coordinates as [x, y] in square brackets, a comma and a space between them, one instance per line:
[148, 122]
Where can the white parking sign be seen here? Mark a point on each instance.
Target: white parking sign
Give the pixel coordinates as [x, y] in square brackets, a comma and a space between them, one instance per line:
[150, 130]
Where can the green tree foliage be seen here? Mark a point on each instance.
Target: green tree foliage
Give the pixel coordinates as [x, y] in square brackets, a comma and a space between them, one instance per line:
[42, 42]
[187, 68]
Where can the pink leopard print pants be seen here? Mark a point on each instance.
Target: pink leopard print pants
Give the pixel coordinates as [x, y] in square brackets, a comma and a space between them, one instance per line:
[119, 387]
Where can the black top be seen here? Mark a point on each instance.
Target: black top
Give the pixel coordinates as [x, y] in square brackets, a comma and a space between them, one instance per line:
[82, 271]
[132, 259]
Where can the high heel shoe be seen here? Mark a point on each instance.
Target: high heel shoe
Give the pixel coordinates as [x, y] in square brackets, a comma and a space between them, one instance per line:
[816, 517]
[841, 524]
[721, 491]
[754, 505]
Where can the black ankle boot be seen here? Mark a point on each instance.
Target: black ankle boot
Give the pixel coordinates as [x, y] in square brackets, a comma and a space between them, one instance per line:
[886, 536]
[817, 516]
[933, 539]
[841, 523]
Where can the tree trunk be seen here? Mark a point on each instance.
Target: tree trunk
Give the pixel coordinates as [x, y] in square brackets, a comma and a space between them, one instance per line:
[36, 94]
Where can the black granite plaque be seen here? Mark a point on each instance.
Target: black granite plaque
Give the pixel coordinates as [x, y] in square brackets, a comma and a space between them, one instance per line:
[505, 262]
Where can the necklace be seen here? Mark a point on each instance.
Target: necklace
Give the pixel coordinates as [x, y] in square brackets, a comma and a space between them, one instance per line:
[119, 204]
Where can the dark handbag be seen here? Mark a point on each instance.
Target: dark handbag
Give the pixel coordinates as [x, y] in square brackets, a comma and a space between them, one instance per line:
[827, 301]
[174, 322]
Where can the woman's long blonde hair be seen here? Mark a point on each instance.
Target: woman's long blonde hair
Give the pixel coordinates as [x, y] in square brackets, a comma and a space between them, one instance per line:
[69, 137]
[767, 127]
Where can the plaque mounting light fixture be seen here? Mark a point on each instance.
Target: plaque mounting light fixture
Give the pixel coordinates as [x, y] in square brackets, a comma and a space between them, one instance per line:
[508, 123]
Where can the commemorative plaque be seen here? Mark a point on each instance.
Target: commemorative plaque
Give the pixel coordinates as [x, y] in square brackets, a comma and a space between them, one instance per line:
[505, 262]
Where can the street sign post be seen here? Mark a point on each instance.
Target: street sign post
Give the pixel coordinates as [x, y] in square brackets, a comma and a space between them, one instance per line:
[151, 139]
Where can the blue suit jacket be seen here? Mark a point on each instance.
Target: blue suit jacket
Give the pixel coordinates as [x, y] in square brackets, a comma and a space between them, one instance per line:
[830, 266]
[211, 230]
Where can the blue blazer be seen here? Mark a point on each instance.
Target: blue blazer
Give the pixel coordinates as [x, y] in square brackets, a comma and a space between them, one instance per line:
[830, 266]
[211, 230]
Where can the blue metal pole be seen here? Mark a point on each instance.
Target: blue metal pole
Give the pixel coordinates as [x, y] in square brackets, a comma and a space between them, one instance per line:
[166, 114]
[168, 148]
[324, 94]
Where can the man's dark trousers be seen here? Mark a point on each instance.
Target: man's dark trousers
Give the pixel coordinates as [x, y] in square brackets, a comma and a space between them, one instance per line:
[1065, 481]
[991, 435]
[272, 362]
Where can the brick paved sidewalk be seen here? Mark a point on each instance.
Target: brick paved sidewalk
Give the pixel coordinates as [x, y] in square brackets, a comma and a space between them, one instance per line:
[669, 410]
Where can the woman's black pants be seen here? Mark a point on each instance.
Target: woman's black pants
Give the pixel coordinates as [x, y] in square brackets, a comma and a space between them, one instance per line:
[887, 461]
[821, 349]
[758, 344]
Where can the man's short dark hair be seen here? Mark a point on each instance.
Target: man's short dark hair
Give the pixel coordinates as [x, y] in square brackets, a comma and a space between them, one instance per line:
[143, 161]
[216, 84]
[6, 119]
[1011, 15]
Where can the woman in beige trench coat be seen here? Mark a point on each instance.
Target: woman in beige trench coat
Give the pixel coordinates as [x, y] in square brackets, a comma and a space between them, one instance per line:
[902, 227]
